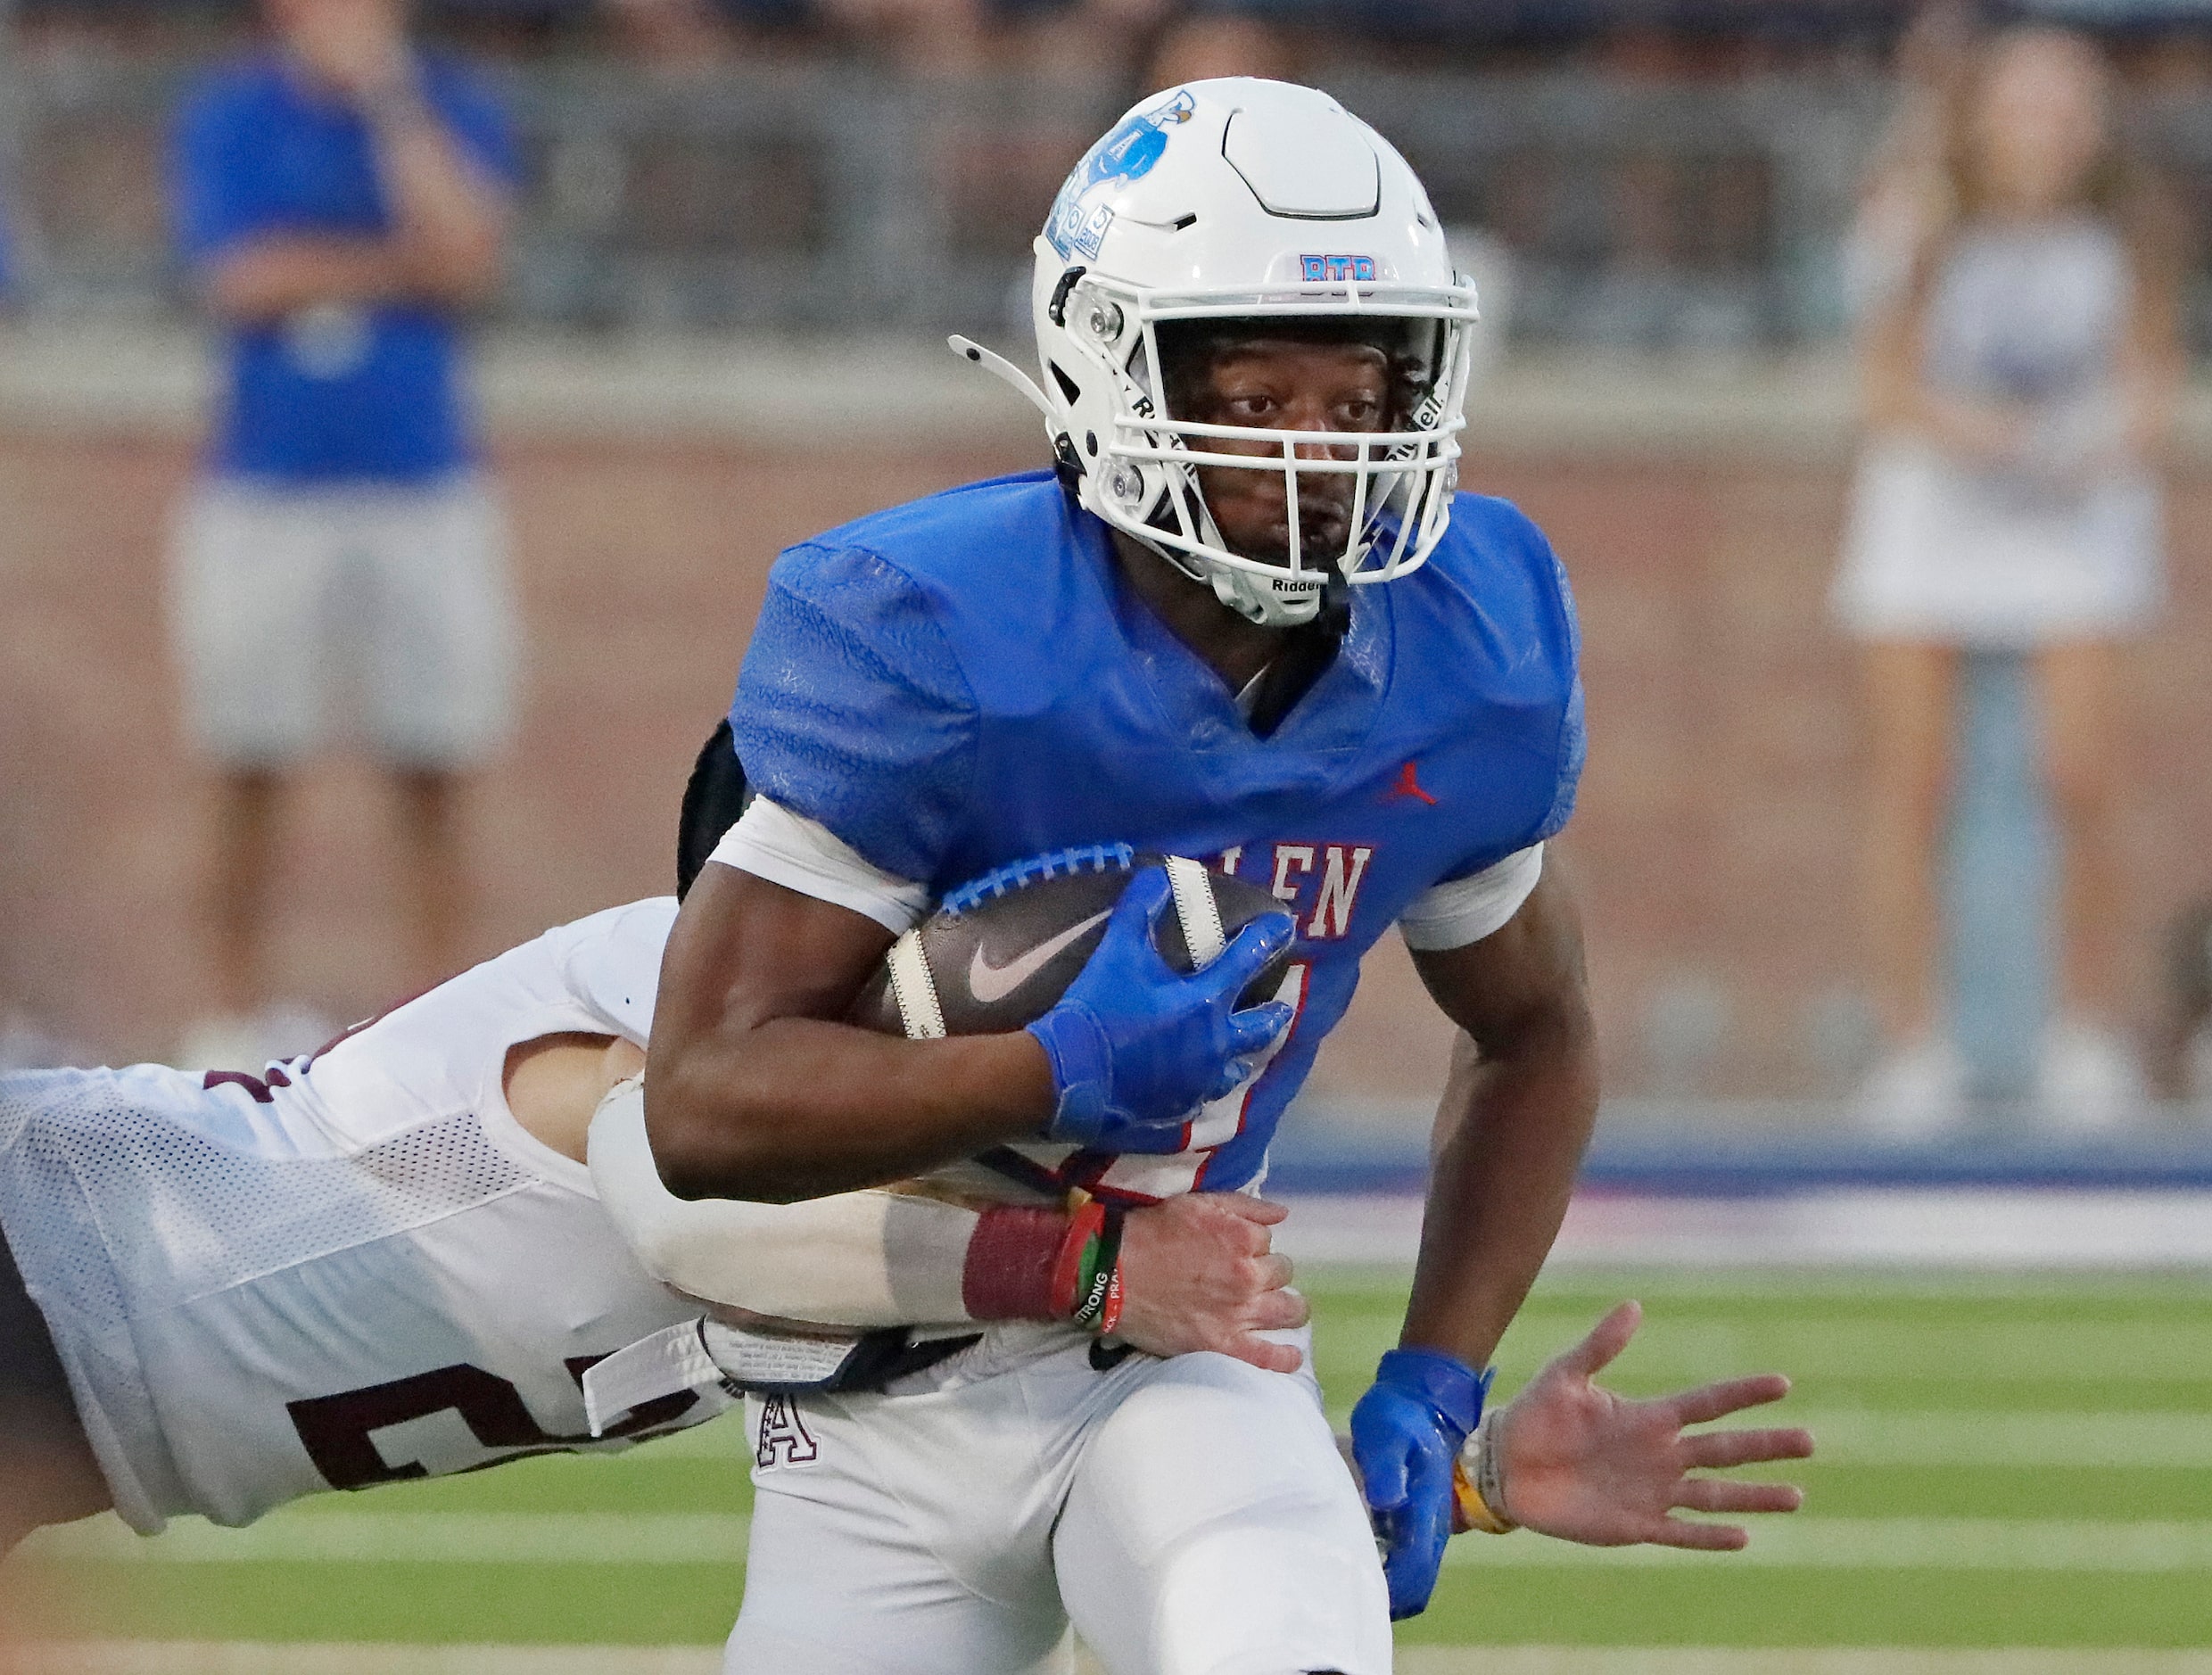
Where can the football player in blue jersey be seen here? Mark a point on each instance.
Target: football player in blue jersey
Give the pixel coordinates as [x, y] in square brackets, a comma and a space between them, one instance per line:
[1246, 618]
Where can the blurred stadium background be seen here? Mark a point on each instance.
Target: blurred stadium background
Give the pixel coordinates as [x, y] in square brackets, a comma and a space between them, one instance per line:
[747, 225]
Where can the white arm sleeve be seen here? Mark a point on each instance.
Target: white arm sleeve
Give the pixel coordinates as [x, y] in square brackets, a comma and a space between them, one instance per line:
[771, 842]
[1453, 914]
[851, 1260]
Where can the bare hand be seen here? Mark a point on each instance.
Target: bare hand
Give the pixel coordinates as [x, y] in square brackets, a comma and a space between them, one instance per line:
[1197, 1273]
[1587, 1465]
[355, 46]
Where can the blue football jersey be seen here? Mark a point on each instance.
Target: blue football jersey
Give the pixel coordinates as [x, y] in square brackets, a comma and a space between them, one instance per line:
[965, 681]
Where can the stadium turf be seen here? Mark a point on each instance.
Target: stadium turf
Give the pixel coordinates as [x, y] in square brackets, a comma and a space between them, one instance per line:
[2013, 1463]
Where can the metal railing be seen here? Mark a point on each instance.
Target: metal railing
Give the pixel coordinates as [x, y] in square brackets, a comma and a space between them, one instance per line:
[810, 197]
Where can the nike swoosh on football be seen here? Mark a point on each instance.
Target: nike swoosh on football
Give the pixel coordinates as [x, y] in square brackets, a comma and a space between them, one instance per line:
[989, 983]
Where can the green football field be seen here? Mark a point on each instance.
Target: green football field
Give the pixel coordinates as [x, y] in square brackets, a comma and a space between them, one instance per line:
[2003, 1463]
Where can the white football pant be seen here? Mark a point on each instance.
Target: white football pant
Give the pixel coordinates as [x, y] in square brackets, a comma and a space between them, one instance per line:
[1190, 1516]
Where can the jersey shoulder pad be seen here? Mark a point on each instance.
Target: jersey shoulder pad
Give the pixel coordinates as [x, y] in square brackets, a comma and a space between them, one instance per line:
[987, 527]
[984, 574]
[611, 960]
[1494, 561]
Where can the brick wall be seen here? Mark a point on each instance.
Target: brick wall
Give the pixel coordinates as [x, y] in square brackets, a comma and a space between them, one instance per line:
[1713, 843]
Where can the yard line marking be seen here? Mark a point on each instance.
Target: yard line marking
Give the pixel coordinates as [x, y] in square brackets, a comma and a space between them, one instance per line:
[1902, 1544]
[1855, 1436]
[217, 1657]
[1983, 1438]
[1638, 1660]
[428, 1538]
[189, 1657]
[1840, 1544]
[2071, 1351]
[2120, 1441]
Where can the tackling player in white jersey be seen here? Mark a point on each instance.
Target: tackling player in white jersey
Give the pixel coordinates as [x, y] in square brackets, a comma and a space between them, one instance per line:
[386, 1259]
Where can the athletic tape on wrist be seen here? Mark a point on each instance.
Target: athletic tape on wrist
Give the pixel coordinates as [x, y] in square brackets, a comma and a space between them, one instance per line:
[1478, 1483]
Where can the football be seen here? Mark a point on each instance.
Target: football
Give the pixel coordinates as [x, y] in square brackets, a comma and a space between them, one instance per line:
[999, 952]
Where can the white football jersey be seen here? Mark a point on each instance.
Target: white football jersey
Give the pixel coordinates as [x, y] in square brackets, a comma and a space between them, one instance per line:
[349, 1269]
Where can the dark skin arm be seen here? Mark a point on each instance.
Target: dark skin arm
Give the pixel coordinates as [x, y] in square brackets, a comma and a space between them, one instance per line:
[755, 1088]
[1515, 1117]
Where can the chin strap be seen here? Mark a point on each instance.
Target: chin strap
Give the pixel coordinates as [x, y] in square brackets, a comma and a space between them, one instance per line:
[1252, 597]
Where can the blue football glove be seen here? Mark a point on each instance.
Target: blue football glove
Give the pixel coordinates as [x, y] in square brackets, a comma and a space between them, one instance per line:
[1136, 1046]
[1407, 1434]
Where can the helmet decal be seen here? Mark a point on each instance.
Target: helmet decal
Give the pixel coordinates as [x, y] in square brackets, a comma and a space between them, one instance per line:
[1077, 223]
[1338, 268]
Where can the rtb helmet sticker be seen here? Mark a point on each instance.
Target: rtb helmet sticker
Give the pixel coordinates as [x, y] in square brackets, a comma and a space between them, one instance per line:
[1339, 268]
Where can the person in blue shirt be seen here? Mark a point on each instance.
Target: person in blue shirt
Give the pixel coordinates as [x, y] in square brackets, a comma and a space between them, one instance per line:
[1246, 620]
[338, 569]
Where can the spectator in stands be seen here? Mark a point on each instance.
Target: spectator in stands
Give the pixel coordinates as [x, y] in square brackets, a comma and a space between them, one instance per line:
[1897, 211]
[2021, 371]
[342, 203]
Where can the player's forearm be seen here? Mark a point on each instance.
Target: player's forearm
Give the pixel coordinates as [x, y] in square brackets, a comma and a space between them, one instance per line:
[796, 1108]
[861, 1259]
[448, 219]
[1512, 1130]
[272, 277]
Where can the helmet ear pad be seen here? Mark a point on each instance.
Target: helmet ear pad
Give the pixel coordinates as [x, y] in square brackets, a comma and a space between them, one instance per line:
[1094, 352]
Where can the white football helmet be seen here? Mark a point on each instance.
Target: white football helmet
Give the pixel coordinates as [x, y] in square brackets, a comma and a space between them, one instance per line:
[1239, 200]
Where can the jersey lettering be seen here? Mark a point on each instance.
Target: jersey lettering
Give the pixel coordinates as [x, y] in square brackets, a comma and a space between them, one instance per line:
[1286, 857]
[784, 1439]
[1342, 867]
[454, 1419]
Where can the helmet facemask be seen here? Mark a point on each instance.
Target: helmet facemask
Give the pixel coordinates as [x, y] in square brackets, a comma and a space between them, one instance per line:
[1363, 505]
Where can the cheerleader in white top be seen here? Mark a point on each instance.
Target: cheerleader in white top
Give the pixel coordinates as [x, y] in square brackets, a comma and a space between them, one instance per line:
[2021, 362]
